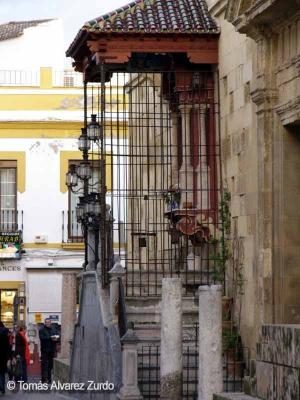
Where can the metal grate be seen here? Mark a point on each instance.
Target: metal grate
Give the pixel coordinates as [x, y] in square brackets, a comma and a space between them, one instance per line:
[149, 372]
[160, 157]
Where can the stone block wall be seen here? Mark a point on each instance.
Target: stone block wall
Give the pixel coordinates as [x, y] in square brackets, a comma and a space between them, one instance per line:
[278, 363]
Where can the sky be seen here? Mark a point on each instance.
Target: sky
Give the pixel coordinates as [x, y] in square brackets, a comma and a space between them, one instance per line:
[73, 12]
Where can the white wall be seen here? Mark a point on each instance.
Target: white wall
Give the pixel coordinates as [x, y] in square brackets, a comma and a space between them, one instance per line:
[39, 46]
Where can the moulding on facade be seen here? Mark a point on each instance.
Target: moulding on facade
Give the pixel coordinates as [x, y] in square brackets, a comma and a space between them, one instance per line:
[20, 157]
[289, 112]
[218, 8]
[264, 96]
[261, 17]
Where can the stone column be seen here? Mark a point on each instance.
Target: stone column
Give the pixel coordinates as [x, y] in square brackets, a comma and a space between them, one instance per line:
[171, 339]
[115, 273]
[129, 389]
[210, 373]
[68, 312]
[203, 168]
[174, 144]
[186, 170]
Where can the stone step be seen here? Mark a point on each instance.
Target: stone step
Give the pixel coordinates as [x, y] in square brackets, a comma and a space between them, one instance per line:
[234, 396]
[147, 310]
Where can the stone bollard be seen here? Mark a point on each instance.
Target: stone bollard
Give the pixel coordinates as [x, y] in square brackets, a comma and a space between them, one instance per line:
[171, 340]
[129, 389]
[210, 373]
[68, 312]
[115, 273]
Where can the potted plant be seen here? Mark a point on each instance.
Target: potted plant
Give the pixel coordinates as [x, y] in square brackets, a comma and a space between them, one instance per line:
[233, 354]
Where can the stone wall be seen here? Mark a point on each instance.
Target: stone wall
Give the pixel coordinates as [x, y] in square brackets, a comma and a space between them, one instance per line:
[278, 362]
[259, 70]
[237, 55]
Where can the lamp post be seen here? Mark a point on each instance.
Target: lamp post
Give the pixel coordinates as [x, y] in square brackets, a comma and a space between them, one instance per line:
[88, 209]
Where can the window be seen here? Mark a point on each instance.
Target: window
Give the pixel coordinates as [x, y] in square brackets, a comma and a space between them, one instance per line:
[75, 233]
[8, 195]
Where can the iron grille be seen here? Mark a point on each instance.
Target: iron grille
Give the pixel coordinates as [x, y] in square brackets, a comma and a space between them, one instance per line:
[160, 175]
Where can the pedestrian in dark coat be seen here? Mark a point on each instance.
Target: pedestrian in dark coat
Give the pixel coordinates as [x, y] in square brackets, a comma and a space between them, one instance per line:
[48, 337]
[4, 354]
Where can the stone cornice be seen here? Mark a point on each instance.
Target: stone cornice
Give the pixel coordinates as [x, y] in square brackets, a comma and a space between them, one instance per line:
[218, 8]
[289, 112]
[262, 18]
[264, 96]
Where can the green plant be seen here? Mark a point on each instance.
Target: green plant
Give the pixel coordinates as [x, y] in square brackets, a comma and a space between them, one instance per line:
[230, 340]
[222, 254]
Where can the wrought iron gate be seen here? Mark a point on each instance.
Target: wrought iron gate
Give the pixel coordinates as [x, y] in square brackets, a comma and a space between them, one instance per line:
[159, 159]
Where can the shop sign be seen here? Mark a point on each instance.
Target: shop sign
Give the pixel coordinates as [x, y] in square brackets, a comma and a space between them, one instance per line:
[9, 268]
[10, 244]
[38, 318]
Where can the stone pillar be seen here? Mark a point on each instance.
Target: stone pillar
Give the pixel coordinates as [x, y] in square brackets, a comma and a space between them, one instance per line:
[129, 389]
[210, 373]
[171, 339]
[203, 168]
[186, 170]
[115, 273]
[68, 312]
[174, 144]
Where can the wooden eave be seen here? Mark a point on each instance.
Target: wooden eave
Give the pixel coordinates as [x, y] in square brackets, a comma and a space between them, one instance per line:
[118, 47]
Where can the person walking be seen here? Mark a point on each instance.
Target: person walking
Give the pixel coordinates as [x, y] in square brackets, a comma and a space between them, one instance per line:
[22, 351]
[4, 355]
[48, 337]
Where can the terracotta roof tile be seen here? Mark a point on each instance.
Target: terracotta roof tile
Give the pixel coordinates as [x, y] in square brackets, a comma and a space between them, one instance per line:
[12, 30]
[156, 16]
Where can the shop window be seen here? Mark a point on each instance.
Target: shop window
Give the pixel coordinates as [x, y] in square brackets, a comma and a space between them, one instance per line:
[8, 307]
[8, 195]
[75, 232]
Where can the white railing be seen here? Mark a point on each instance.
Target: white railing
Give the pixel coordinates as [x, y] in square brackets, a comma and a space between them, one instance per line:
[63, 78]
[19, 78]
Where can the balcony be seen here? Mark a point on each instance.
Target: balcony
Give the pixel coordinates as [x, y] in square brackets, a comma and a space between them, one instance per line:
[71, 229]
[11, 220]
[44, 78]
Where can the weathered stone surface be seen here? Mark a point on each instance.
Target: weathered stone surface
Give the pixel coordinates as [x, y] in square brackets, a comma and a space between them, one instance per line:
[96, 353]
[279, 344]
[171, 339]
[286, 383]
[233, 396]
[265, 380]
[129, 389]
[68, 312]
[61, 370]
[170, 386]
[210, 373]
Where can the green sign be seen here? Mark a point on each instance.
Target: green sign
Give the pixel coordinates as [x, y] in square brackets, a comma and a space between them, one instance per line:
[10, 244]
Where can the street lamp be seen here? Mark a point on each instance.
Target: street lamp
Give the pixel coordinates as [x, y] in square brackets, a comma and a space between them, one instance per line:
[94, 130]
[84, 170]
[80, 210]
[72, 177]
[92, 206]
[84, 143]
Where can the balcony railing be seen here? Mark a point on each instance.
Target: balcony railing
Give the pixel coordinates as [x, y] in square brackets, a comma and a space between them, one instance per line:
[11, 220]
[62, 78]
[19, 78]
[71, 229]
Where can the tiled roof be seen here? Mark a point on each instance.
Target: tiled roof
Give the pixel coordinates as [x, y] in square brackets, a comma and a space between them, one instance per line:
[156, 16]
[14, 29]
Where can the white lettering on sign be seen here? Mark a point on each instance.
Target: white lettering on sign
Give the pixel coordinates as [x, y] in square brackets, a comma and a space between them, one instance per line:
[10, 268]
